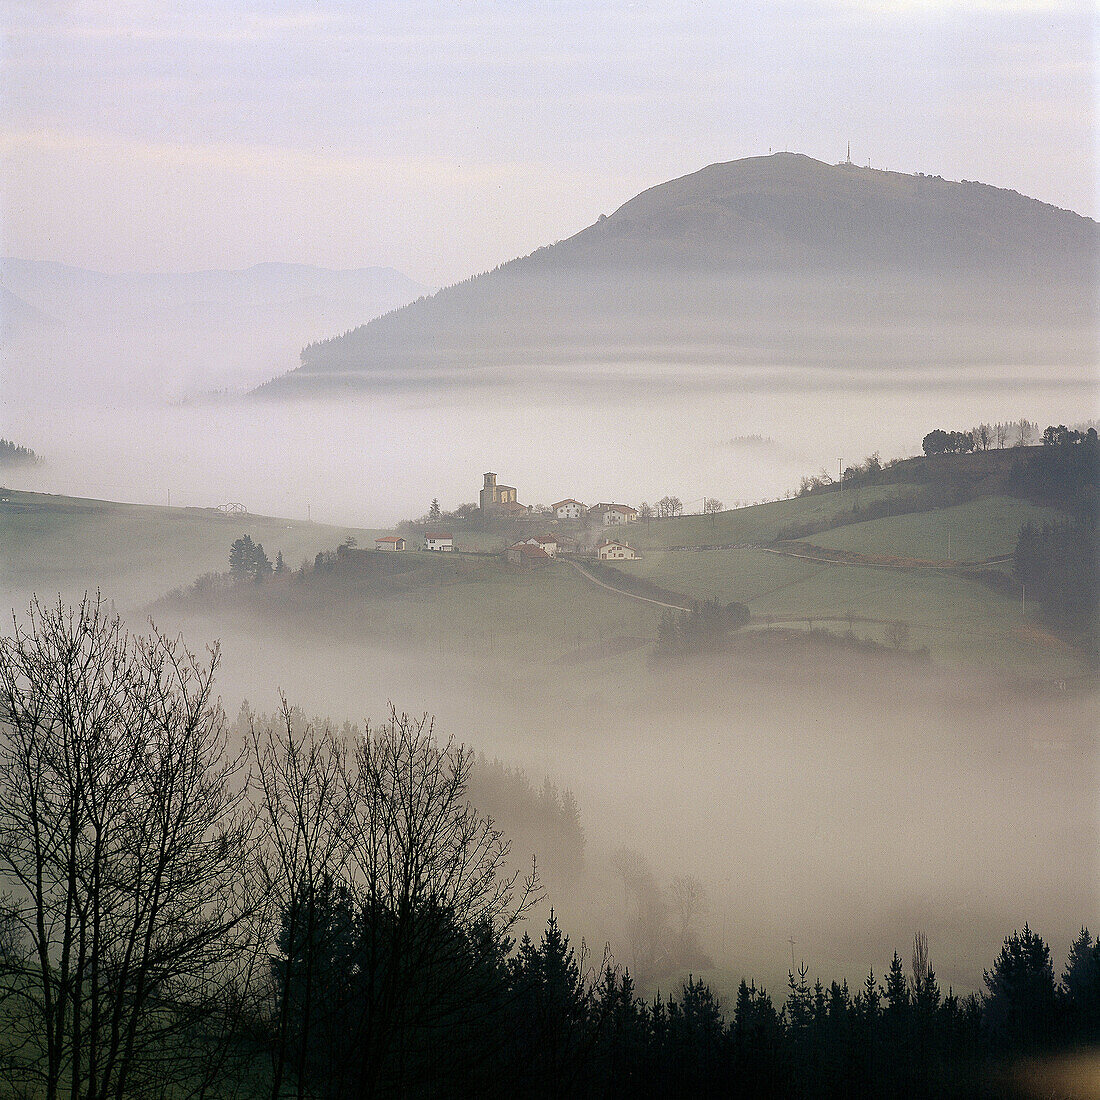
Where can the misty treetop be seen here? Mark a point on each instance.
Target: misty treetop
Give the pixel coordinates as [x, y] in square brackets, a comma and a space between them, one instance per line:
[703, 628]
[13, 454]
[247, 560]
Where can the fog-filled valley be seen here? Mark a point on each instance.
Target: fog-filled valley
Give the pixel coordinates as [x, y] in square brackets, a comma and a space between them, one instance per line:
[833, 689]
[839, 799]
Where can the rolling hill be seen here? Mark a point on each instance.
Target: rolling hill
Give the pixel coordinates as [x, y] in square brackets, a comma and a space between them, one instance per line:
[779, 260]
[857, 570]
[57, 545]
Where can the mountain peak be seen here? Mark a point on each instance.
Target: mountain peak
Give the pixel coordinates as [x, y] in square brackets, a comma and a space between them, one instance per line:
[779, 258]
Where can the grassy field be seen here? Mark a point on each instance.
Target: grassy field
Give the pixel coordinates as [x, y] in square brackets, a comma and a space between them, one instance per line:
[54, 544]
[760, 523]
[137, 553]
[447, 602]
[960, 620]
[979, 530]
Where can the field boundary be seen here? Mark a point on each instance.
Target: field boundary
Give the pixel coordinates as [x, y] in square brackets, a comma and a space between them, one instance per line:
[828, 556]
[685, 606]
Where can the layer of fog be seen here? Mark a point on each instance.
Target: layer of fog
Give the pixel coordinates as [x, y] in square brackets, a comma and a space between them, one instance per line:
[841, 801]
[626, 434]
[843, 810]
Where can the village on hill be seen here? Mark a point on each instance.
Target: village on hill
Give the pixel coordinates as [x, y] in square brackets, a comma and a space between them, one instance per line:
[540, 534]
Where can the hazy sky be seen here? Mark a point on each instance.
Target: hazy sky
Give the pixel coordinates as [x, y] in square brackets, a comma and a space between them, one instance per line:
[444, 137]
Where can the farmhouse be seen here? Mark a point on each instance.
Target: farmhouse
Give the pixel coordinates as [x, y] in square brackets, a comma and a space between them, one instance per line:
[568, 509]
[615, 514]
[389, 542]
[527, 554]
[610, 550]
[438, 540]
[547, 543]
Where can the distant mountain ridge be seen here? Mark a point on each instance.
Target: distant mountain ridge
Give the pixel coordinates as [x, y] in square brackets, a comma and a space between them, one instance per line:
[176, 334]
[768, 260]
[67, 292]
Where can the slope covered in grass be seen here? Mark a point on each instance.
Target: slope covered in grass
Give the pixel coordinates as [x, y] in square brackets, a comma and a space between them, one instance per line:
[55, 544]
[979, 530]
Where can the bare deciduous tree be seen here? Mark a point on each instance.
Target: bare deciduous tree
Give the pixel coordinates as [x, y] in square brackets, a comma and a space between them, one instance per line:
[300, 771]
[920, 962]
[423, 863]
[689, 898]
[126, 843]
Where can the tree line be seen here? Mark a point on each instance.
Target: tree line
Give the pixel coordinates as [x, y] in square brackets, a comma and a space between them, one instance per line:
[704, 628]
[1058, 563]
[248, 561]
[290, 908]
[13, 454]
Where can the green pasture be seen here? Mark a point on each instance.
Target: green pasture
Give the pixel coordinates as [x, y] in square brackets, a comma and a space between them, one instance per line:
[960, 620]
[976, 531]
[448, 603]
[55, 544]
[758, 523]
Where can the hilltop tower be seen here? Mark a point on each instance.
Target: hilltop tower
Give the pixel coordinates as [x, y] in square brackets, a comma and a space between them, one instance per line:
[493, 495]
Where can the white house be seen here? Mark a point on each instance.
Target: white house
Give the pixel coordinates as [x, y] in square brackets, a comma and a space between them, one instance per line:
[438, 540]
[545, 542]
[616, 514]
[568, 509]
[389, 542]
[610, 550]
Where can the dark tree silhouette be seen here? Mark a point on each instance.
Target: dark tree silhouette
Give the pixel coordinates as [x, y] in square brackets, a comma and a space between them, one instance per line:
[1020, 1001]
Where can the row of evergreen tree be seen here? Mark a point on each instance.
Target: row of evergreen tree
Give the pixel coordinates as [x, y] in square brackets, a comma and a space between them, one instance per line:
[13, 454]
[249, 561]
[489, 1018]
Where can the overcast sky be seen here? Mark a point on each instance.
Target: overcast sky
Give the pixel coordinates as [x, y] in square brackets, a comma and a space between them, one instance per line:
[443, 137]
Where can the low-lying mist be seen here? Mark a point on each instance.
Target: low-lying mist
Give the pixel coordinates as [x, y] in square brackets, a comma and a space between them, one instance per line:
[837, 799]
[628, 433]
[842, 800]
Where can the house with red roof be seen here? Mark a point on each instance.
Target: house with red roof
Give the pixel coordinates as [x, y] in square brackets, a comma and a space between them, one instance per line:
[545, 542]
[527, 554]
[615, 514]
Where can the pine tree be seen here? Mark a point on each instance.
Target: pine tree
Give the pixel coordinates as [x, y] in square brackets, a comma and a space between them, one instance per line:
[261, 563]
[241, 556]
[1081, 986]
[1020, 1002]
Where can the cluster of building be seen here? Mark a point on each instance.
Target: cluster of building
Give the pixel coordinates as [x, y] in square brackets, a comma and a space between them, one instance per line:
[433, 540]
[500, 500]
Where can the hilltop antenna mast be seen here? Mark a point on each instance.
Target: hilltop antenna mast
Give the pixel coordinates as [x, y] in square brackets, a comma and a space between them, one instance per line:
[848, 160]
